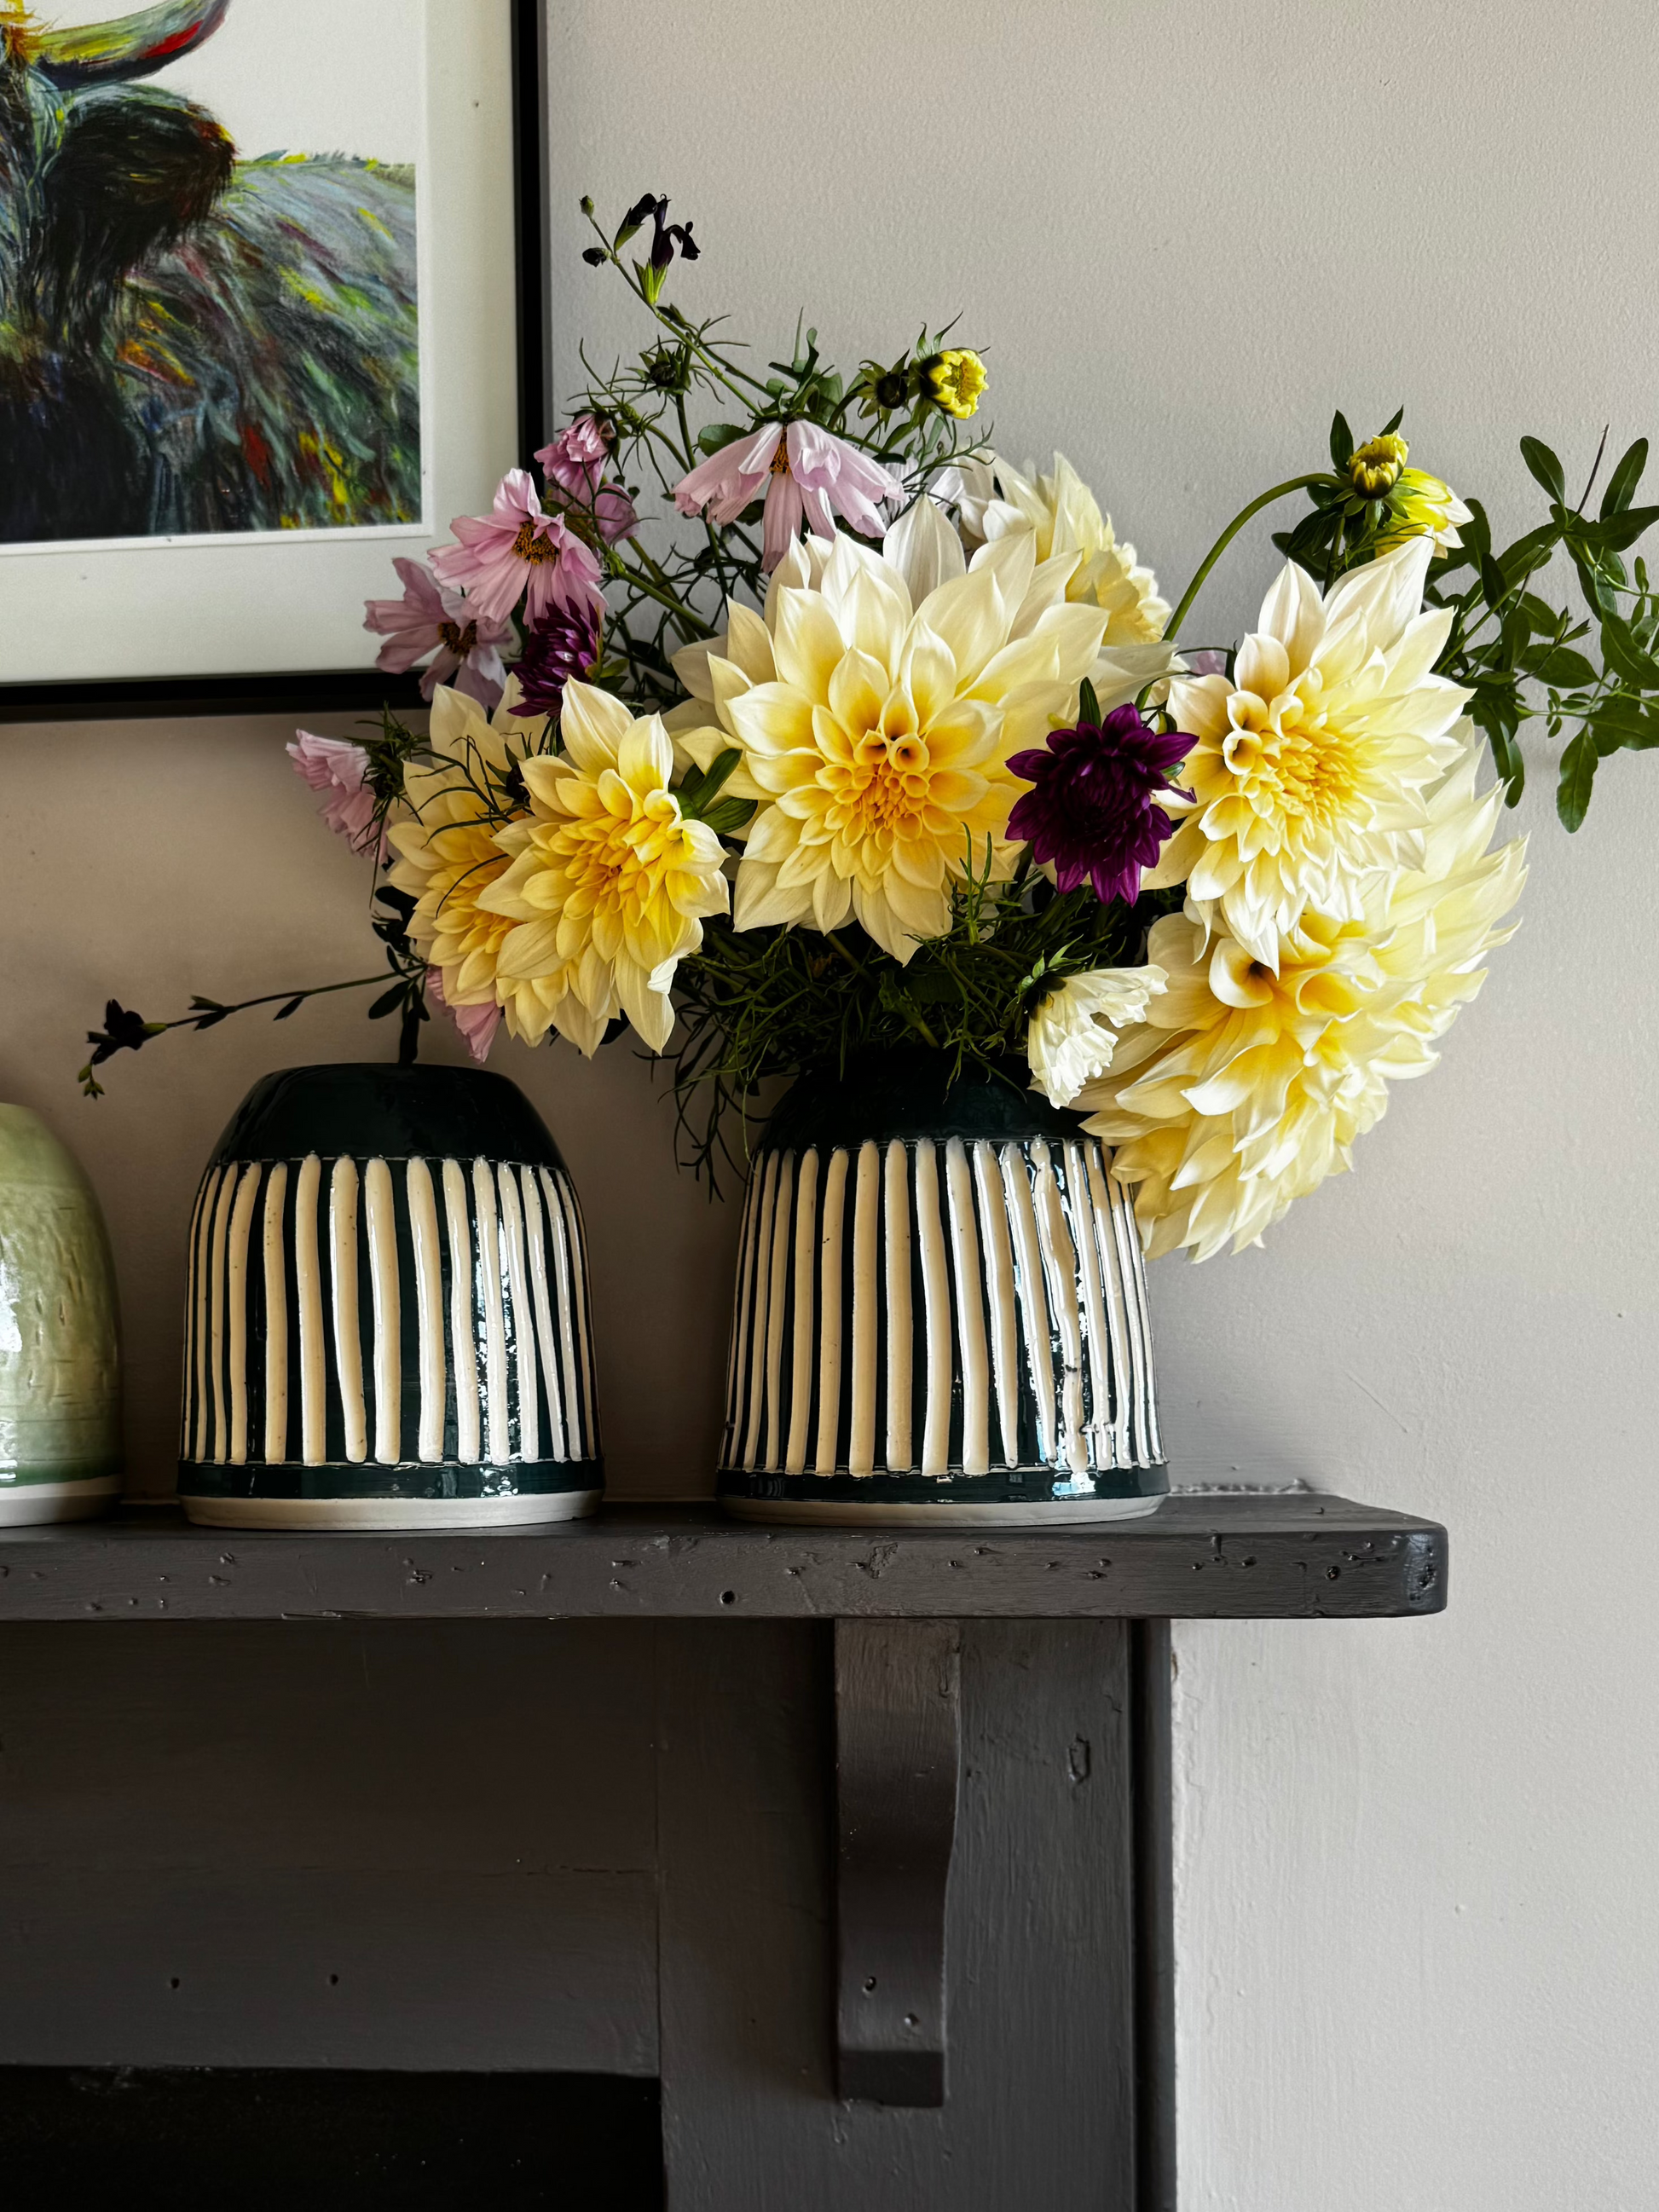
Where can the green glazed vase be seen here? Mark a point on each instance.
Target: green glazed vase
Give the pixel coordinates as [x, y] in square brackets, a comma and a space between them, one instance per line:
[941, 1313]
[387, 1319]
[60, 1390]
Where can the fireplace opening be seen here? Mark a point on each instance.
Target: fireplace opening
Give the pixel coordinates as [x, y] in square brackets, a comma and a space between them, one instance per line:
[252, 2137]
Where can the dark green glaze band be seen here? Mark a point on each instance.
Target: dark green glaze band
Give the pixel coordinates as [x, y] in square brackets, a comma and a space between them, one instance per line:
[910, 1093]
[1038, 1487]
[533, 1478]
[358, 1110]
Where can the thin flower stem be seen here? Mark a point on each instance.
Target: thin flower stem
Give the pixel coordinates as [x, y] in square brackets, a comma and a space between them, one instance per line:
[683, 330]
[270, 998]
[1172, 628]
[689, 628]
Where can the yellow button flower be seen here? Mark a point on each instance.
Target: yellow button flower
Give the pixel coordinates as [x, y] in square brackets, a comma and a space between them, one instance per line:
[954, 380]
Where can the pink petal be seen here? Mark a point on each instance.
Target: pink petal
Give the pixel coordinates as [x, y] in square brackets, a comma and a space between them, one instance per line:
[404, 650]
[820, 518]
[730, 477]
[516, 497]
[782, 520]
[478, 1024]
[336, 769]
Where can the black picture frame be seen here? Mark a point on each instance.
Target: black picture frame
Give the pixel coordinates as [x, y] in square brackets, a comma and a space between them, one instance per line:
[340, 690]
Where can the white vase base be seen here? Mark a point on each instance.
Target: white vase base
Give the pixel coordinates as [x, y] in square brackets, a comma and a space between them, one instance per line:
[59, 1501]
[849, 1513]
[410, 1514]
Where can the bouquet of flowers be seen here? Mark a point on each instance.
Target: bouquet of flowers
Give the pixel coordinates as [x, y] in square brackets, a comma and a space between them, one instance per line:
[869, 738]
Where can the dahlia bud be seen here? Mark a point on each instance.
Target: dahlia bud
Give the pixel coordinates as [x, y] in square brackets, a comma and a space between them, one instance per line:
[1376, 465]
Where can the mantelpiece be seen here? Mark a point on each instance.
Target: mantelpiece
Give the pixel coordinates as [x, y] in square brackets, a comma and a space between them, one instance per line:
[875, 1769]
[1217, 1556]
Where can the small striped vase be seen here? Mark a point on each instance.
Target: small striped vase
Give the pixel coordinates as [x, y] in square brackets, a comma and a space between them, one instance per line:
[387, 1318]
[941, 1315]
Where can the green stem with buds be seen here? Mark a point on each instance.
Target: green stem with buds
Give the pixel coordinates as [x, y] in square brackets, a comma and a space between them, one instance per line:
[1172, 628]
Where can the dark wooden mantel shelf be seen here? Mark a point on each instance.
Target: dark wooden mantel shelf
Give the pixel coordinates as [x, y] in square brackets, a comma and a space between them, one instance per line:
[1299, 1555]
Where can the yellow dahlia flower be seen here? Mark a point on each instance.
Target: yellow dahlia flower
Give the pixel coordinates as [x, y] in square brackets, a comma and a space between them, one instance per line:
[446, 849]
[1308, 770]
[1421, 505]
[607, 881]
[1244, 1089]
[875, 730]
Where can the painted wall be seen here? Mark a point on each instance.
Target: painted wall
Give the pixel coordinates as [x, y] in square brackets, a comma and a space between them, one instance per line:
[1419, 1967]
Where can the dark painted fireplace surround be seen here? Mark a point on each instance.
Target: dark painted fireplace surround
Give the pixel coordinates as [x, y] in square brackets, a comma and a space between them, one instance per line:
[654, 1862]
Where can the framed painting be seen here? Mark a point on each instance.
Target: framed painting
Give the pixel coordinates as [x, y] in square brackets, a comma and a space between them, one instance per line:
[271, 313]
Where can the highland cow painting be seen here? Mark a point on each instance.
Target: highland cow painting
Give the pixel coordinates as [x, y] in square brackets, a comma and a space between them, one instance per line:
[198, 336]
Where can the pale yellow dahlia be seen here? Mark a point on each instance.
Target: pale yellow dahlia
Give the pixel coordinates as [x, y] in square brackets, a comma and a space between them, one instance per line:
[994, 498]
[447, 853]
[875, 730]
[1242, 1089]
[607, 881]
[1308, 770]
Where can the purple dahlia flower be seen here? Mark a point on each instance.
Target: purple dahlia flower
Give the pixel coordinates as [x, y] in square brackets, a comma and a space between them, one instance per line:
[561, 646]
[1093, 813]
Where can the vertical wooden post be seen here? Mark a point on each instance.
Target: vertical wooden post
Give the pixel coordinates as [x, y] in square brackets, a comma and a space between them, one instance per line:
[898, 1766]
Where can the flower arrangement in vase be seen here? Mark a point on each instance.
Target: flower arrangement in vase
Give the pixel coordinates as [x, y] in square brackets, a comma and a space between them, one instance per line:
[874, 762]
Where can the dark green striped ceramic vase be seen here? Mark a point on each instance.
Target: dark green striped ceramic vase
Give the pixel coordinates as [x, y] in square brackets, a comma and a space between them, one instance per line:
[387, 1319]
[941, 1313]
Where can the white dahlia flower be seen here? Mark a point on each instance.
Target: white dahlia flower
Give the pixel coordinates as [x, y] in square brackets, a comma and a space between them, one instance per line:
[1308, 770]
[1242, 1089]
[1074, 1030]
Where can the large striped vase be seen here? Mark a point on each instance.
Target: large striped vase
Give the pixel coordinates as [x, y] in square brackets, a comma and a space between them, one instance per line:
[941, 1315]
[387, 1318]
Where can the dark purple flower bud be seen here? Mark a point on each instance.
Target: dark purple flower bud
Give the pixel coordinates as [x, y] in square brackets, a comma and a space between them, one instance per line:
[562, 646]
[594, 256]
[122, 1031]
[1093, 813]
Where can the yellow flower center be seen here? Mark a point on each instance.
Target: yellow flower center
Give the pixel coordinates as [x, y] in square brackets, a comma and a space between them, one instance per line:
[531, 546]
[881, 792]
[780, 458]
[1289, 762]
[616, 867]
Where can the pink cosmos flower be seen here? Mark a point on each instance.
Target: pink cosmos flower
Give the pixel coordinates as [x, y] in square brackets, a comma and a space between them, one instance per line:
[338, 768]
[517, 549]
[805, 471]
[478, 1024]
[466, 642]
[576, 463]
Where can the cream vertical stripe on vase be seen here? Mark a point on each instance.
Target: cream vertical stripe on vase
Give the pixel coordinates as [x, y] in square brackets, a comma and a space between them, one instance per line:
[336, 1288]
[938, 1309]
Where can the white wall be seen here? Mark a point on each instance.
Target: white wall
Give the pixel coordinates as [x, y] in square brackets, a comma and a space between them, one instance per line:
[1419, 1964]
